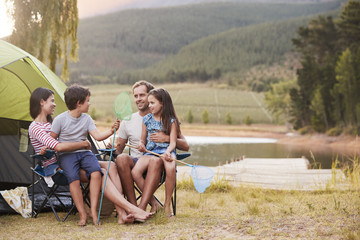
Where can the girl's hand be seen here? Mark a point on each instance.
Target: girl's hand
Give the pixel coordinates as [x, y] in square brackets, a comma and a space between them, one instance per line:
[167, 156]
[141, 146]
[115, 125]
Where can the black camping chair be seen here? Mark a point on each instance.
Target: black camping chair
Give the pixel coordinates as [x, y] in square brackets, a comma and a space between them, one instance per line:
[50, 193]
[179, 156]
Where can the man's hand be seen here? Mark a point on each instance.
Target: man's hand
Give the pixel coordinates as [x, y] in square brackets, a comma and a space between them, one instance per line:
[159, 137]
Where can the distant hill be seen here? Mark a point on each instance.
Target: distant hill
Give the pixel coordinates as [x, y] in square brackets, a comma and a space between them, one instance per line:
[231, 51]
[121, 43]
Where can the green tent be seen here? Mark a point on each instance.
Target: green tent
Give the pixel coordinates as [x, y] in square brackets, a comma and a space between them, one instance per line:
[20, 74]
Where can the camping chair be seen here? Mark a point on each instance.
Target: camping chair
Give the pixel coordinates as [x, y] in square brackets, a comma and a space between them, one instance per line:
[179, 156]
[59, 180]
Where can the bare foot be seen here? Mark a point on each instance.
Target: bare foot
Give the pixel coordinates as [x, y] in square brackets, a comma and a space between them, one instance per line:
[155, 207]
[94, 219]
[124, 219]
[82, 221]
[168, 210]
[140, 215]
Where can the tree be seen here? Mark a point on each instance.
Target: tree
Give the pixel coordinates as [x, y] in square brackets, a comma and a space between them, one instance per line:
[348, 84]
[47, 30]
[349, 22]
[278, 99]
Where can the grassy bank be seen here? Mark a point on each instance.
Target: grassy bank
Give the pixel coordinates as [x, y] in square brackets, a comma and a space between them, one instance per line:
[222, 212]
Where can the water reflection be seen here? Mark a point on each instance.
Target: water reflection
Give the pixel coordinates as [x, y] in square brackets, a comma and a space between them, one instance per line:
[210, 151]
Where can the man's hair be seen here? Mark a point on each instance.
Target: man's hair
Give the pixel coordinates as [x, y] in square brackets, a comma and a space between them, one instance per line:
[75, 94]
[148, 85]
[35, 99]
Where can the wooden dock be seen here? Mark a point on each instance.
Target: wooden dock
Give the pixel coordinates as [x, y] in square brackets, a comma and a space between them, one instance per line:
[273, 173]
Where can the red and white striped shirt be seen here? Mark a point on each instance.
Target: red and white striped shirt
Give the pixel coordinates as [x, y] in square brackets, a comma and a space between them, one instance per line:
[40, 136]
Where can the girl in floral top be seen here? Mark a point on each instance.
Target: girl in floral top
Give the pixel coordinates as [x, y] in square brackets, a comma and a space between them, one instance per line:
[162, 118]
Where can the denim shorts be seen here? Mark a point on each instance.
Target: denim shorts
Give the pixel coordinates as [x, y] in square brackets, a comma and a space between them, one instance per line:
[71, 163]
[50, 170]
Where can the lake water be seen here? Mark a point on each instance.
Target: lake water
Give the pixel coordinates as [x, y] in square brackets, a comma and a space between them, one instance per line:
[210, 151]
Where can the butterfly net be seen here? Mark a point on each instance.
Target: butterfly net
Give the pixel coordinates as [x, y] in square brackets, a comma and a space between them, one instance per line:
[201, 177]
[122, 106]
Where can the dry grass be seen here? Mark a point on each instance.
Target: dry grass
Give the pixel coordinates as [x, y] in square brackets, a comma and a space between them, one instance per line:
[228, 213]
[222, 212]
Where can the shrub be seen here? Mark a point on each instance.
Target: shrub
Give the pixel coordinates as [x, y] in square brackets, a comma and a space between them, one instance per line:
[228, 118]
[248, 120]
[205, 116]
[306, 130]
[336, 131]
[190, 117]
[351, 130]
[93, 113]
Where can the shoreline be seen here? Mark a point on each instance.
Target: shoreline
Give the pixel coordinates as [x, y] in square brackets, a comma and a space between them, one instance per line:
[345, 144]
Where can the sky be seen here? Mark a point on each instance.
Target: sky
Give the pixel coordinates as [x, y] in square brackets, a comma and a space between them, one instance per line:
[87, 8]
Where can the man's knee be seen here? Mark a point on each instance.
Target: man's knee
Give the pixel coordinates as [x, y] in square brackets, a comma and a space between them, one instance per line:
[123, 161]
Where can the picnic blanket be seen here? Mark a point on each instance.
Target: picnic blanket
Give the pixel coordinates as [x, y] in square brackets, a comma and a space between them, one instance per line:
[18, 199]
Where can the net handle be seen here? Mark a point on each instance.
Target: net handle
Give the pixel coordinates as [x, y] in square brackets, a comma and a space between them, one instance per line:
[156, 154]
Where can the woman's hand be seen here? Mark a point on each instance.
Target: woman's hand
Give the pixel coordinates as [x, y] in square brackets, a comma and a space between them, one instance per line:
[43, 150]
[87, 144]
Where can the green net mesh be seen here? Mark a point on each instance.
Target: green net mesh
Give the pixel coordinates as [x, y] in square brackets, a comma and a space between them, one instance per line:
[122, 106]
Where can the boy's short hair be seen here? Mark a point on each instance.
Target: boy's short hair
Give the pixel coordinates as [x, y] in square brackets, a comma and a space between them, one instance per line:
[75, 94]
[148, 85]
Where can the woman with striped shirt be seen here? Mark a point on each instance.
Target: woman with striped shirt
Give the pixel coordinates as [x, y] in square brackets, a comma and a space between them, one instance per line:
[42, 105]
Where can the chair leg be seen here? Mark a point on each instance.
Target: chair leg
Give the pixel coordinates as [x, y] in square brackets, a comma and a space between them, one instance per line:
[47, 200]
[173, 200]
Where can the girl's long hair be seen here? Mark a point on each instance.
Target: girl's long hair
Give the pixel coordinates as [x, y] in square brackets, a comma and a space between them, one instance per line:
[168, 110]
[35, 98]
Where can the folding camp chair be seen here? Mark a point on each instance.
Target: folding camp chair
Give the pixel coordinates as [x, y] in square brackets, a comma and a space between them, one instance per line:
[51, 193]
[179, 156]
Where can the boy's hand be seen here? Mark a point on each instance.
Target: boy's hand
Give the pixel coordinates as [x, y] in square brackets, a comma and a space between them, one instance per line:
[115, 125]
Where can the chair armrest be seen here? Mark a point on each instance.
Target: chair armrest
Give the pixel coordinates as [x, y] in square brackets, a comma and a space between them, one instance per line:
[49, 154]
[107, 151]
[181, 156]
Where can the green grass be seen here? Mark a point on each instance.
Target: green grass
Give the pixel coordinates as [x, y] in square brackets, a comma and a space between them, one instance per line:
[195, 97]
